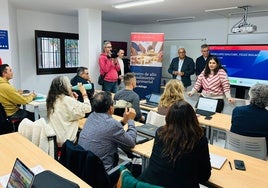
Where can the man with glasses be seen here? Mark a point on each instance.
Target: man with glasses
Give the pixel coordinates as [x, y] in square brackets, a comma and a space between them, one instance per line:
[109, 68]
[182, 67]
[83, 77]
[202, 60]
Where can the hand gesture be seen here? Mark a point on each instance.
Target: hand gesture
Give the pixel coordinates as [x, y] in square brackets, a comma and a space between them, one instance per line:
[129, 113]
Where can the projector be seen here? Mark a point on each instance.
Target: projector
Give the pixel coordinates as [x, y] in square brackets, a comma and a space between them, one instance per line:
[244, 29]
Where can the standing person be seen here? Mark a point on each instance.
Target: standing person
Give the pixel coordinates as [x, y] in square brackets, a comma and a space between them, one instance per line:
[180, 155]
[82, 76]
[121, 73]
[108, 68]
[202, 60]
[214, 83]
[102, 134]
[174, 91]
[252, 119]
[182, 67]
[64, 110]
[130, 96]
[10, 98]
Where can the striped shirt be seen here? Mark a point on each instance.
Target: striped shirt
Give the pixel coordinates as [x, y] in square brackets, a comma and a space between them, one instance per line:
[214, 86]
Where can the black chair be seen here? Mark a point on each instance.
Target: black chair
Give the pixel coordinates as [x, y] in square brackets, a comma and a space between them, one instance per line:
[87, 166]
[6, 125]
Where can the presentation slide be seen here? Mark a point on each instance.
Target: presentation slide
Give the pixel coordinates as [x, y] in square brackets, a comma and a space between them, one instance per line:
[246, 65]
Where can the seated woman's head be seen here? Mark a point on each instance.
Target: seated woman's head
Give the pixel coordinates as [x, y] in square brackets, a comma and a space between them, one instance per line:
[258, 94]
[182, 130]
[174, 91]
[59, 86]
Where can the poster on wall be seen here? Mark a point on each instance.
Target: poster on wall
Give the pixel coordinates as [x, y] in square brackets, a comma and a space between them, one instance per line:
[146, 60]
[3, 40]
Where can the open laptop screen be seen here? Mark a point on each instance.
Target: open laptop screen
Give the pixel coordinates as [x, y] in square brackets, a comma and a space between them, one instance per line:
[21, 176]
[154, 98]
[207, 104]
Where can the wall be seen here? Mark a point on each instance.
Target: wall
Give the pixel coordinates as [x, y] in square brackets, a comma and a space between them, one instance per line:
[28, 21]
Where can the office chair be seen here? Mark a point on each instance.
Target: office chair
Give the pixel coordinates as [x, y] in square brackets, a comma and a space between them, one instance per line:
[6, 125]
[252, 146]
[87, 166]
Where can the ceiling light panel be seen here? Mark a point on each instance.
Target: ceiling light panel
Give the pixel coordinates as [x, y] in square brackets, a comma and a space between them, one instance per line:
[129, 4]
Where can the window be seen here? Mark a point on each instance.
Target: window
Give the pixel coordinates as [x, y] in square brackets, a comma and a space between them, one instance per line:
[56, 52]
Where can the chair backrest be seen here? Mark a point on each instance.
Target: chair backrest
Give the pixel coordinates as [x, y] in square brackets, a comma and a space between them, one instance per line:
[156, 119]
[84, 164]
[252, 146]
[5, 124]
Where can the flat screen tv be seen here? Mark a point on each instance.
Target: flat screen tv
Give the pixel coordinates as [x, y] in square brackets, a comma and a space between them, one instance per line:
[246, 65]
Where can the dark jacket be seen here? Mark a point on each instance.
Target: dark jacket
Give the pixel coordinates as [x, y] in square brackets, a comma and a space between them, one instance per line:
[200, 64]
[250, 120]
[187, 68]
[90, 92]
[188, 171]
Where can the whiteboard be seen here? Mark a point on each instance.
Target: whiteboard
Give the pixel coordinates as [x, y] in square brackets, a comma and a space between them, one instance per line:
[171, 46]
[248, 38]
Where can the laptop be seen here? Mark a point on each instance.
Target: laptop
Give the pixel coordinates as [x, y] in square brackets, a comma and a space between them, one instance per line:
[21, 176]
[153, 101]
[206, 107]
[217, 161]
[147, 129]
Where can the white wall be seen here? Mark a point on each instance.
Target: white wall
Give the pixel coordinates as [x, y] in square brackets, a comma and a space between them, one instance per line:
[28, 21]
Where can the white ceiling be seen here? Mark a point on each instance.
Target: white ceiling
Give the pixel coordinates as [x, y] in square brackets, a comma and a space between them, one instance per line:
[146, 14]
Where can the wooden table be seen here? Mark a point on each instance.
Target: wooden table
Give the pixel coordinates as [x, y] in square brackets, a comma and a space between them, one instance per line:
[14, 145]
[255, 175]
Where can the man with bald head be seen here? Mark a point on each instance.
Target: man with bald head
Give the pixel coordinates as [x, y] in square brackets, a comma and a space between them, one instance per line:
[182, 67]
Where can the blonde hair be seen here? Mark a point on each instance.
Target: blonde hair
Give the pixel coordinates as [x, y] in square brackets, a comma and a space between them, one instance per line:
[174, 91]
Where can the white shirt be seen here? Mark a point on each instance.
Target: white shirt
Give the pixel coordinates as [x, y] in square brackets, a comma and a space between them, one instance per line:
[179, 68]
[121, 64]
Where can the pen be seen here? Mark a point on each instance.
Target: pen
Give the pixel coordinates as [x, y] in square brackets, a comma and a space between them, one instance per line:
[230, 165]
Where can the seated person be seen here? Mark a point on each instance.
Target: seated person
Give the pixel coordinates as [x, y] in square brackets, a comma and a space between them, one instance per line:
[180, 156]
[251, 120]
[10, 98]
[64, 110]
[102, 134]
[174, 91]
[82, 76]
[131, 96]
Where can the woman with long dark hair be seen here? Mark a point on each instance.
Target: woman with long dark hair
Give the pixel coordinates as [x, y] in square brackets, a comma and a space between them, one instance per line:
[180, 156]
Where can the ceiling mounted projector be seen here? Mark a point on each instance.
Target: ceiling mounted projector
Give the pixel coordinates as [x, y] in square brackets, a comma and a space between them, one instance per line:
[242, 26]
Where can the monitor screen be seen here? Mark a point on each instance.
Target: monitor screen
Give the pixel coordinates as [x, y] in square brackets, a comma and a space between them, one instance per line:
[246, 65]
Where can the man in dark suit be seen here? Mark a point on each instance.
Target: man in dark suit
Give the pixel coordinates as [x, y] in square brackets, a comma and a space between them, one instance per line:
[182, 67]
[202, 60]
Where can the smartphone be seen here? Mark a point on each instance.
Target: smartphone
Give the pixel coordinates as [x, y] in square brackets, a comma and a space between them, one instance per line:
[208, 117]
[239, 165]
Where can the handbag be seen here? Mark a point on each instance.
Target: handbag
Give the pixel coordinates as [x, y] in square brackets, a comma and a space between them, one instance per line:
[101, 79]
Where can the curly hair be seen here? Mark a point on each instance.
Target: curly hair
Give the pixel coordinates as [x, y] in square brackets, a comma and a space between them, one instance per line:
[174, 91]
[182, 131]
[259, 95]
[59, 86]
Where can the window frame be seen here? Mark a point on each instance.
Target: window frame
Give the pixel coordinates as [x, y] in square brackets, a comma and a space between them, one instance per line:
[59, 35]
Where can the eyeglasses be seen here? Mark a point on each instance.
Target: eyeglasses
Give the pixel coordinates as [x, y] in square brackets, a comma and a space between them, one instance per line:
[108, 47]
[204, 50]
[181, 52]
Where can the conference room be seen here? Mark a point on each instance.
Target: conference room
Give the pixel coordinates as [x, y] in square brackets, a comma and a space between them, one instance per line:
[98, 21]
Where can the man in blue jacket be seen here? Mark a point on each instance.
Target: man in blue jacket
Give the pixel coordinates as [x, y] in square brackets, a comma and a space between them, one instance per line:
[182, 67]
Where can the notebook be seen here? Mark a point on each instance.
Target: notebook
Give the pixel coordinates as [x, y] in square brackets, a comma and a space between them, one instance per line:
[206, 106]
[21, 176]
[141, 138]
[152, 101]
[147, 129]
[217, 161]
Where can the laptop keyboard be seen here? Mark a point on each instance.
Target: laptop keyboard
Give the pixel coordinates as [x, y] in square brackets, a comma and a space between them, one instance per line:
[150, 104]
[147, 129]
[204, 112]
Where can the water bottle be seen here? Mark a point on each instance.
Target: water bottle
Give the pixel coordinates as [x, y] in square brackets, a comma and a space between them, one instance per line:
[87, 87]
